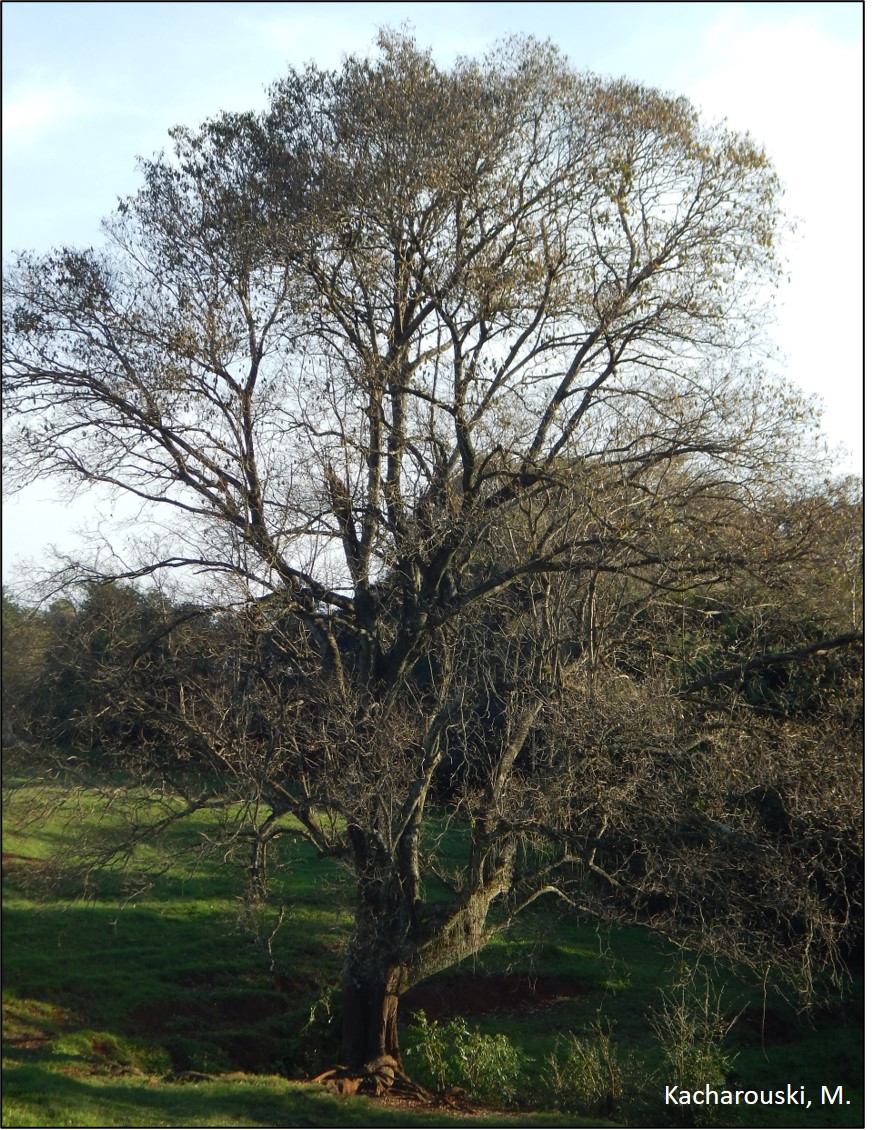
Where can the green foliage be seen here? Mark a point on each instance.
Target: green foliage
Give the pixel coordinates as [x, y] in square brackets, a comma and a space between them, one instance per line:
[591, 1074]
[450, 1055]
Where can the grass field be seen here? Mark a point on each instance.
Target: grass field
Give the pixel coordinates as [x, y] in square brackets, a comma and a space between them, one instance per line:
[169, 1007]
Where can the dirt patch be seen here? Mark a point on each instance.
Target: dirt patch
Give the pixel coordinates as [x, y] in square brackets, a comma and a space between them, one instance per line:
[296, 987]
[156, 1019]
[258, 1054]
[12, 859]
[250, 1008]
[489, 995]
[188, 1011]
[27, 871]
[29, 1045]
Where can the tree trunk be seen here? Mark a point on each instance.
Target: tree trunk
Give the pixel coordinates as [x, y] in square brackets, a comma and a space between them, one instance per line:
[370, 1013]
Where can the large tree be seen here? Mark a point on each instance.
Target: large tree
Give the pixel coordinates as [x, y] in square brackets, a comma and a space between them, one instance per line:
[447, 381]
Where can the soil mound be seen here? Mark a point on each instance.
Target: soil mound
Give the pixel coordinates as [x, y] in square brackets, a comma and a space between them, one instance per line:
[488, 995]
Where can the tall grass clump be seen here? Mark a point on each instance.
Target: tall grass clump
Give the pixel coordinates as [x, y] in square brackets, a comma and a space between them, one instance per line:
[589, 1074]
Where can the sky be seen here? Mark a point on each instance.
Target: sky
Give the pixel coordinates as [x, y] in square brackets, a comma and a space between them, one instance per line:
[87, 87]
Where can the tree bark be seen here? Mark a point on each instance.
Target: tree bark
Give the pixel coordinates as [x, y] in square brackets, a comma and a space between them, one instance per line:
[370, 1013]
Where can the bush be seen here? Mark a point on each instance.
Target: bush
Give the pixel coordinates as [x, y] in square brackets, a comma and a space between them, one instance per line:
[589, 1075]
[449, 1055]
[691, 1030]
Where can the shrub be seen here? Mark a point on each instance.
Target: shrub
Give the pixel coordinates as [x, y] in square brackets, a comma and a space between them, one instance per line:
[691, 1031]
[590, 1075]
[449, 1055]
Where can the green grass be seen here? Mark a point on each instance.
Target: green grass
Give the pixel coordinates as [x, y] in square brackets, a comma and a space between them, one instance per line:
[166, 1007]
[47, 1095]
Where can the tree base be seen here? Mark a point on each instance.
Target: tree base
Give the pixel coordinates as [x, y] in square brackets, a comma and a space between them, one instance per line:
[377, 1077]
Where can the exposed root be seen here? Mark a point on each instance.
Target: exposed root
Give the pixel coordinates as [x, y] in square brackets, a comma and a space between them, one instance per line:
[377, 1077]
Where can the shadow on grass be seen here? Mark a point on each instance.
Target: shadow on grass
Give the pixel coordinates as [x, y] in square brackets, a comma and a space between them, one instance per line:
[49, 1095]
[58, 1098]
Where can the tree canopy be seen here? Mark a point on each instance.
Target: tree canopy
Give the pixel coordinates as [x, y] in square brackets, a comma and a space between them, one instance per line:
[447, 383]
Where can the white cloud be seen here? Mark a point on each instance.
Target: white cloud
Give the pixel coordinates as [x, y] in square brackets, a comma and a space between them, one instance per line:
[802, 88]
[31, 112]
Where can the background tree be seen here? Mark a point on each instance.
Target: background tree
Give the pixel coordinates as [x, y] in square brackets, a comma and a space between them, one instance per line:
[24, 645]
[445, 380]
